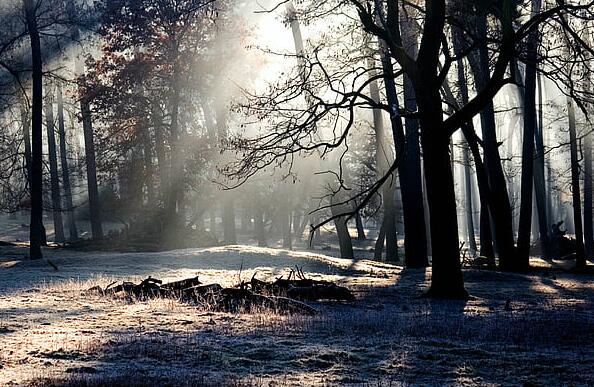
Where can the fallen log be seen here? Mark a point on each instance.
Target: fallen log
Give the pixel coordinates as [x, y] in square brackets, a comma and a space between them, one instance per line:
[280, 296]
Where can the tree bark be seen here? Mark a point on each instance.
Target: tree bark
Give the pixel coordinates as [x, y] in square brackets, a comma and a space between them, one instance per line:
[36, 224]
[360, 230]
[53, 163]
[580, 260]
[27, 140]
[342, 231]
[72, 230]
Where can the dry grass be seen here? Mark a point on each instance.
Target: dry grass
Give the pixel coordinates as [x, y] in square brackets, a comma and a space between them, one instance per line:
[54, 334]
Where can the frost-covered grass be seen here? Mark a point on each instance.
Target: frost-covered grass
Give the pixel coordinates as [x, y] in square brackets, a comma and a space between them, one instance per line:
[51, 333]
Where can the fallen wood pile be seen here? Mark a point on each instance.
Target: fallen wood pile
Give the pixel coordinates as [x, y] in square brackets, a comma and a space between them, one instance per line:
[282, 295]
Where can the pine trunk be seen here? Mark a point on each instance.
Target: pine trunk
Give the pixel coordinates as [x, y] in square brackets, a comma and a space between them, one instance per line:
[54, 175]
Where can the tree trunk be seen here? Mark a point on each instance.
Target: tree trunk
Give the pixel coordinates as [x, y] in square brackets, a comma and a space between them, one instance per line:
[72, 230]
[468, 199]
[379, 243]
[539, 180]
[54, 175]
[588, 226]
[580, 260]
[468, 130]
[360, 230]
[342, 231]
[174, 196]
[409, 171]
[93, 188]
[500, 210]
[36, 225]
[27, 140]
[160, 150]
[383, 158]
[446, 279]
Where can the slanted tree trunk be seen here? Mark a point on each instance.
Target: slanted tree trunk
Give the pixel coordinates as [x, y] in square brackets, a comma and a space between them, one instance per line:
[379, 243]
[36, 225]
[500, 211]
[72, 230]
[54, 175]
[468, 130]
[580, 260]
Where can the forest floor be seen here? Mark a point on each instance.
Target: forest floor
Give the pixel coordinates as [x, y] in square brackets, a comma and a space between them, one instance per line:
[518, 329]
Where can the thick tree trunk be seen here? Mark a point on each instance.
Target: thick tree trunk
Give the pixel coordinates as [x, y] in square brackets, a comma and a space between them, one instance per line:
[53, 164]
[72, 230]
[580, 260]
[379, 243]
[360, 229]
[342, 231]
[446, 279]
[36, 225]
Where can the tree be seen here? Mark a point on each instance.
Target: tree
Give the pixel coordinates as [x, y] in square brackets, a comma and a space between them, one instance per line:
[53, 161]
[36, 226]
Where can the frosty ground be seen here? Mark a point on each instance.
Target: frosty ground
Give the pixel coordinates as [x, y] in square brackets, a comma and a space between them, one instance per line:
[536, 328]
